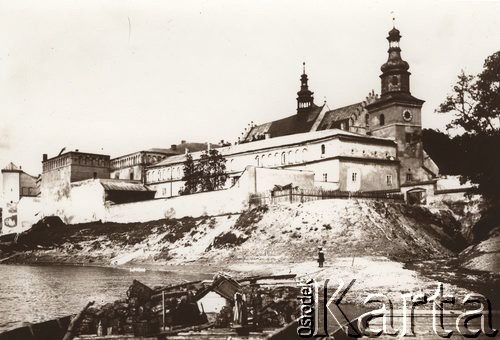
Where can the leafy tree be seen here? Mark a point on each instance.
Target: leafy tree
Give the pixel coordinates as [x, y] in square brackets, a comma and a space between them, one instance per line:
[444, 151]
[475, 100]
[191, 176]
[212, 167]
[207, 174]
[475, 103]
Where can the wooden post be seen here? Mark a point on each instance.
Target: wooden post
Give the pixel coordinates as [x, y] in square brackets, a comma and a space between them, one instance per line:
[163, 308]
[75, 321]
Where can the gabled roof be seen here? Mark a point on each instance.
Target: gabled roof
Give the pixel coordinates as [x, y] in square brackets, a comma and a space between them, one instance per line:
[339, 114]
[285, 126]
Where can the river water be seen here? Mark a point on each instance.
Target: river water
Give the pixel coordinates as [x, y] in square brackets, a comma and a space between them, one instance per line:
[38, 293]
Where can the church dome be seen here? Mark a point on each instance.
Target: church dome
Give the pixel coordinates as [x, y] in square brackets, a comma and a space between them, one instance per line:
[394, 35]
[395, 64]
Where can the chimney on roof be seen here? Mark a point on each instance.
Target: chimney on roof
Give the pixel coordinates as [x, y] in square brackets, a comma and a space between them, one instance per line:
[173, 147]
[267, 135]
[44, 157]
[209, 146]
[183, 142]
[186, 151]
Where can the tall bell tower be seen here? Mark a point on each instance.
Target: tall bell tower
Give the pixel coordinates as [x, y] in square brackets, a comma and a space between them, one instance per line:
[395, 76]
[397, 114]
[305, 98]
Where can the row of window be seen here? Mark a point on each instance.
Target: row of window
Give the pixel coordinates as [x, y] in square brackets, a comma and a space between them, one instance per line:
[270, 159]
[354, 178]
[135, 160]
[165, 174]
[282, 158]
[76, 160]
[123, 162]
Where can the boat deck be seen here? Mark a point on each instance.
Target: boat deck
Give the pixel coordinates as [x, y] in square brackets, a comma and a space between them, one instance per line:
[217, 334]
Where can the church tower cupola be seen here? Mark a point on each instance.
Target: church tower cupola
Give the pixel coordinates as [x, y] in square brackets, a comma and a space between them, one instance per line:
[305, 97]
[395, 76]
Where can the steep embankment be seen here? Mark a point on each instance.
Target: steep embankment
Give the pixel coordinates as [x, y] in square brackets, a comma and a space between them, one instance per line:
[289, 233]
[480, 226]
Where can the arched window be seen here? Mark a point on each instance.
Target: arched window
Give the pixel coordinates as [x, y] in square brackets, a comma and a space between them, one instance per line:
[367, 118]
[289, 156]
[257, 160]
[283, 158]
[382, 119]
[323, 149]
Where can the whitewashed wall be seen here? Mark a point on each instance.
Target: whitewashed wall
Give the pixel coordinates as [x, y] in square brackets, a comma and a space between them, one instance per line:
[232, 200]
[84, 203]
[29, 211]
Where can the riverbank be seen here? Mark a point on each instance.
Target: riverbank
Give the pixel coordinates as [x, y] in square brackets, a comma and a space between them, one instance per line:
[42, 292]
[379, 243]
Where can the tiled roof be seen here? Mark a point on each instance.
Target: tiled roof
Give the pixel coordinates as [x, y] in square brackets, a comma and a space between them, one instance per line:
[122, 185]
[285, 126]
[193, 147]
[159, 150]
[396, 96]
[275, 142]
[339, 114]
[179, 149]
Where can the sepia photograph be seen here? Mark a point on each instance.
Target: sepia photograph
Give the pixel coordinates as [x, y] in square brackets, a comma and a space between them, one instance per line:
[216, 169]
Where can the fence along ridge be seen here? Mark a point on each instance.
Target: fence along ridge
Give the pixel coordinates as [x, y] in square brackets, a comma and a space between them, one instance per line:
[293, 195]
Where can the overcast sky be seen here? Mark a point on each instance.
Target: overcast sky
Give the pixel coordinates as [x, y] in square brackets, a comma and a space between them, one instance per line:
[119, 76]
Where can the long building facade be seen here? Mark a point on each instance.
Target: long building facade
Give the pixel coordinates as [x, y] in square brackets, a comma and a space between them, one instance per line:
[340, 160]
